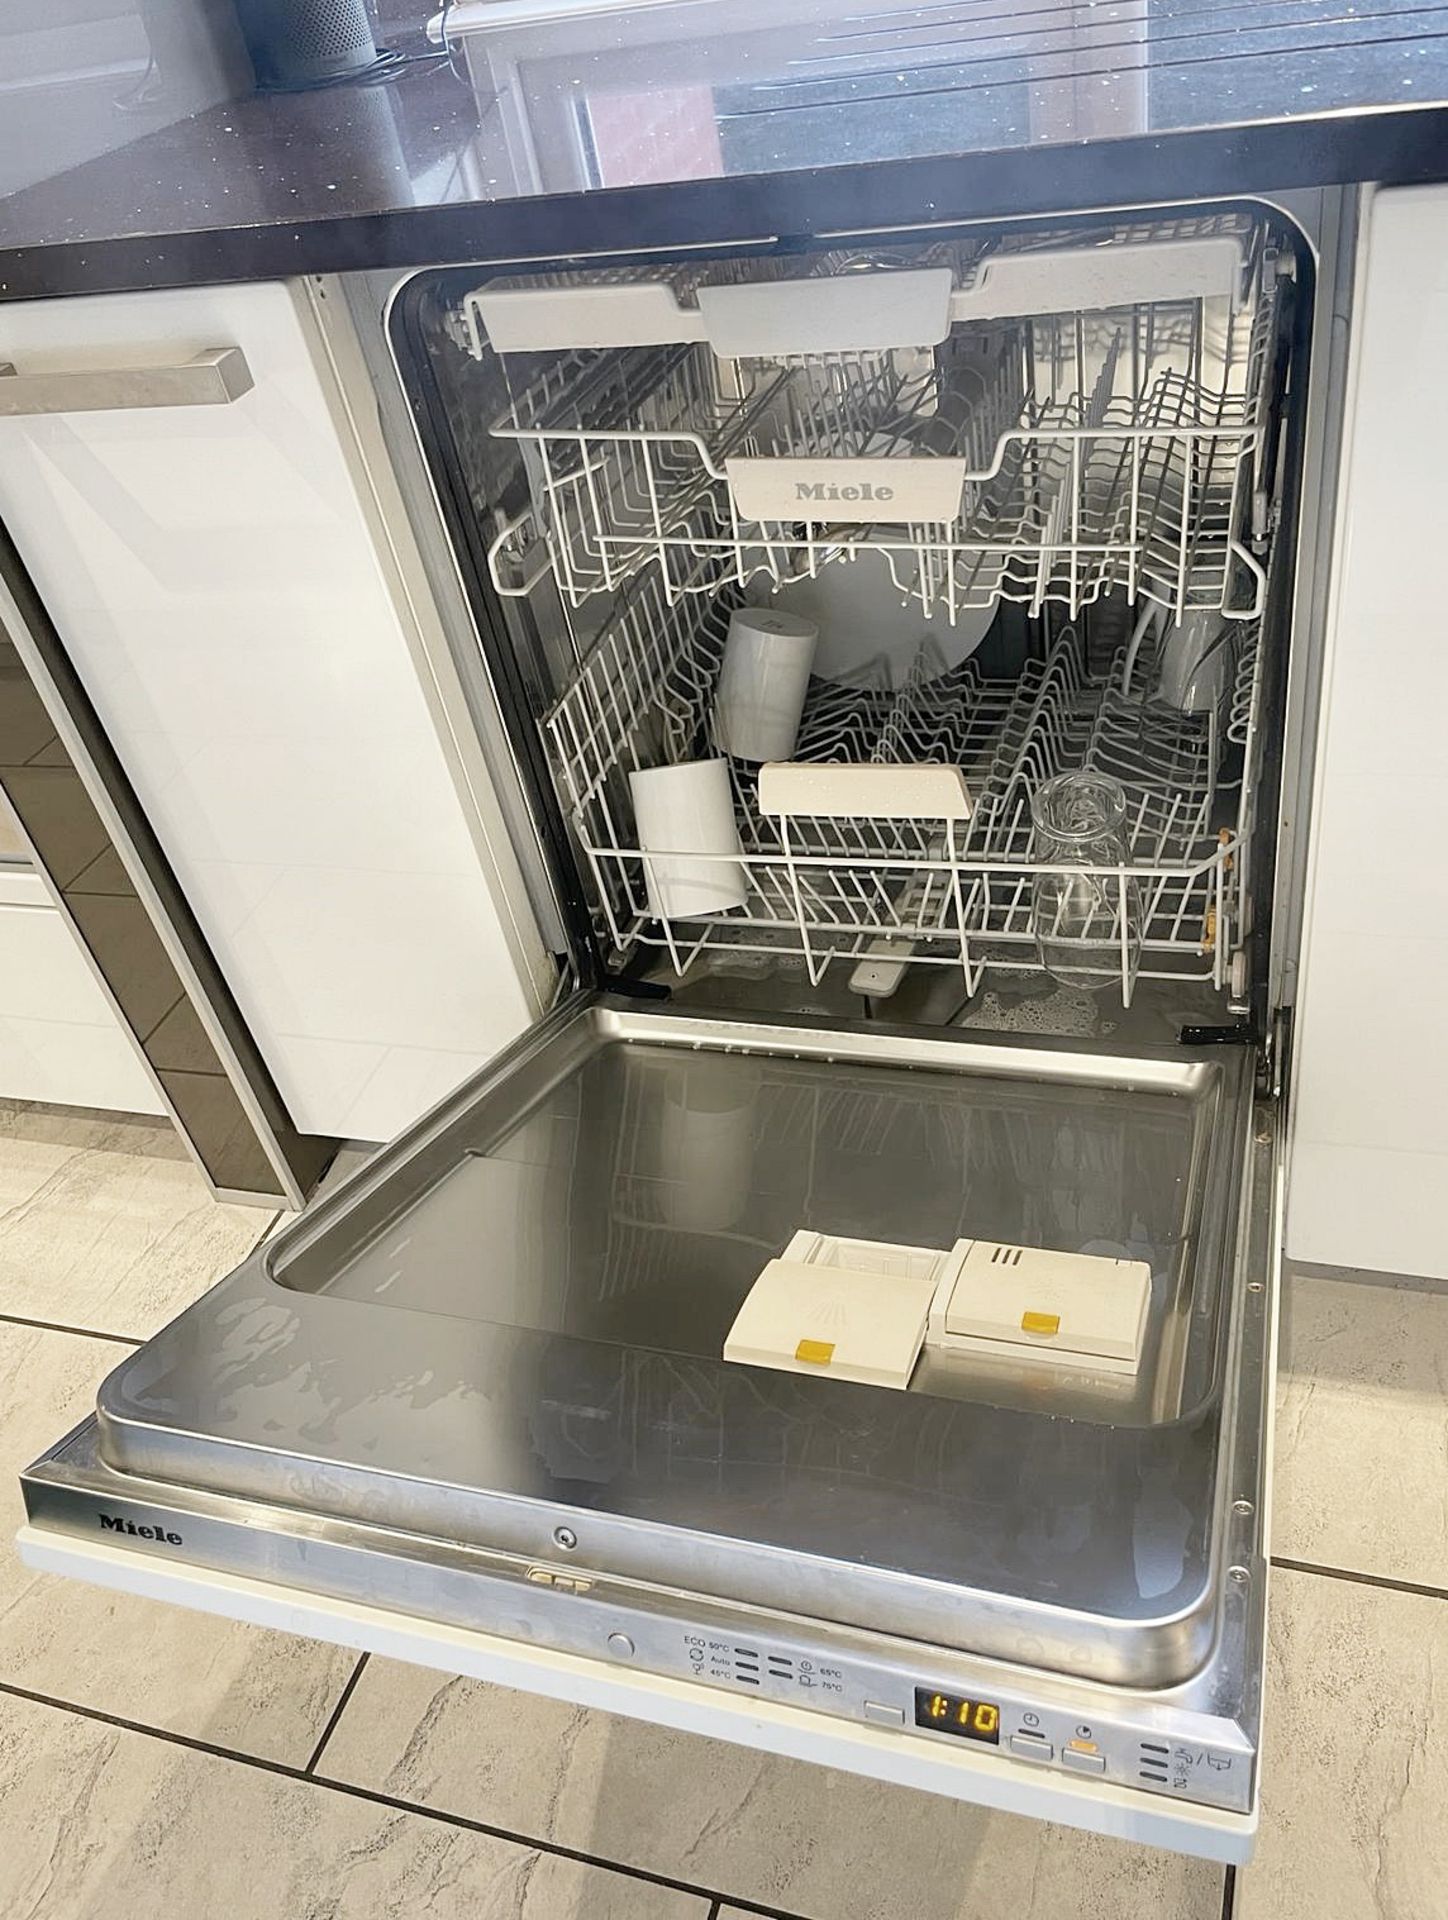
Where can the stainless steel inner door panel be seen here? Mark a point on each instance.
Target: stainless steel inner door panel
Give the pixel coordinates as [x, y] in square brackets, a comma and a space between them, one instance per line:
[507, 1333]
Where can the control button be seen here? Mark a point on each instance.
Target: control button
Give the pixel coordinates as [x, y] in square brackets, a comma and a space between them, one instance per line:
[620, 1644]
[1080, 1762]
[1030, 1746]
[887, 1716]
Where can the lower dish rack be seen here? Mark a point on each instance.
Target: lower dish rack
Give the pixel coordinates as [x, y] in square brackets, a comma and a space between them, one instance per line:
[958, 894]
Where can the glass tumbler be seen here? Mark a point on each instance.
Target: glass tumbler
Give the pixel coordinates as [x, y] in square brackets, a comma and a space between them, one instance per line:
[1088, 920]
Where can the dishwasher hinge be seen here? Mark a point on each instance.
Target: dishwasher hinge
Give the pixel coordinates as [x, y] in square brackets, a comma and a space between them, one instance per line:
[1240, 1033]
[1275, 1058]
[1273, 1047]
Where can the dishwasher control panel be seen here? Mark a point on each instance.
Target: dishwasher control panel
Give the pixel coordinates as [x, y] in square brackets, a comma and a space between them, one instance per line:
[1075, 1739]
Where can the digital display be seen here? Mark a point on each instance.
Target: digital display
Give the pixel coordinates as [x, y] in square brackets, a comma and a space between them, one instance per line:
[953, 1713]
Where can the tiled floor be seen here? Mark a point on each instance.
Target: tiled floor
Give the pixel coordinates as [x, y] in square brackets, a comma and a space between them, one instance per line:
[161, 1764]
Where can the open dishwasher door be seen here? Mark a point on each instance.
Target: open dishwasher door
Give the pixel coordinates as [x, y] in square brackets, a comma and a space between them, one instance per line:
[472, 1410]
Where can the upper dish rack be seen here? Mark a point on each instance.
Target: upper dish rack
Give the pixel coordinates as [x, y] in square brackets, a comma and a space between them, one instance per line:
[886, 891]
[1047, 458]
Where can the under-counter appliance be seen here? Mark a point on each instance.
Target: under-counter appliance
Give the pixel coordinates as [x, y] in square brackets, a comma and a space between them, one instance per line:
[473, 1407]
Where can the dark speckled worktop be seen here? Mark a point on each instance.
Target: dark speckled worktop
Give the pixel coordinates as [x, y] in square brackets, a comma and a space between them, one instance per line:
[705, 121]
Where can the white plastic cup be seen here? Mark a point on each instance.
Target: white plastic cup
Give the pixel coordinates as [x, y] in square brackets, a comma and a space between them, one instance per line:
[763, 680]
[683, 813]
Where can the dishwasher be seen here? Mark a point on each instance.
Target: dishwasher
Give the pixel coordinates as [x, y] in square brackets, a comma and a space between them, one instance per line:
[844, 1324]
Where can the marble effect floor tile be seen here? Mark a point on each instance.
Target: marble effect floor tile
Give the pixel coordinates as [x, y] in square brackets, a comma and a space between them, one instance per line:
[258, 1692]
[1361, 1475]
[1356, 1767]
[75, 1127]
[821, 1844]
[112, 1242]
[97, 1823]
[27, 1166]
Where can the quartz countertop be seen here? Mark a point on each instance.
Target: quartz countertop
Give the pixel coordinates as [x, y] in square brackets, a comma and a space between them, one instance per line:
[705, 122]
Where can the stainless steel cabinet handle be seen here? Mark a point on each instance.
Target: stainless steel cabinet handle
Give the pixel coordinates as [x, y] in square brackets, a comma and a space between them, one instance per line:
[213, 379]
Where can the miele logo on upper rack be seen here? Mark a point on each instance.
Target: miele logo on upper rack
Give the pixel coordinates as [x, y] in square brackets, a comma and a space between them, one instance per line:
[110, 1523]
[868, 494]
[901, 490]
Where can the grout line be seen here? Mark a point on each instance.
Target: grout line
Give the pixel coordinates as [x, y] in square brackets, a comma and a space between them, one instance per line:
[56, 1326]
[1362, 1579]
[393, 1802]
[1229, 1893]
[713, 1913]
[336, 1714]
[268, 1230]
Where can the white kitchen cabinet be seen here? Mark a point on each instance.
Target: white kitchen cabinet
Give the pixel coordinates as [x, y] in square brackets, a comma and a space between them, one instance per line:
[60, 1040]
[247, 623]
[1369, 1158]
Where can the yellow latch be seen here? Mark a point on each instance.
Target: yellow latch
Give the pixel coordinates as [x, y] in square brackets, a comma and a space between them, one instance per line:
[1040, 1323]
[815, 1353]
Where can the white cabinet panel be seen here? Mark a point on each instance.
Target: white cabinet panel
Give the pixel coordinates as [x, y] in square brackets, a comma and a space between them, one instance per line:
[1369, 1121]
[214, 574]
[60, 1040]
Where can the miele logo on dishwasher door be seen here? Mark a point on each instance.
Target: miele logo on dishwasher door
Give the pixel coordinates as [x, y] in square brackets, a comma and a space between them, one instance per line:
[898, 492]
[111, 1524]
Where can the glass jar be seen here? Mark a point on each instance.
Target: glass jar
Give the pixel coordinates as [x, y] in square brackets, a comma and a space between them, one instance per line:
[1088, 923]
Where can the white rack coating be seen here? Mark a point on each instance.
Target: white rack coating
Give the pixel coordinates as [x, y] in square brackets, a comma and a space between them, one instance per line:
[937, 893]
[1101, 451]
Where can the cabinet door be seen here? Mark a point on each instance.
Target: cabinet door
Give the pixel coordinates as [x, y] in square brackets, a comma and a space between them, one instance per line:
[60, 1040]
[1369, 1119]
[238, 617]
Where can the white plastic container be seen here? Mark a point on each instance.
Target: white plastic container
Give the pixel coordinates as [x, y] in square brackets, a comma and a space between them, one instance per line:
[687, 834]
[763, 681]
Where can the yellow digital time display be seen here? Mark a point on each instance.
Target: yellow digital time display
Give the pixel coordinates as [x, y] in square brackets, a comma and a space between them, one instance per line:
[953, 1713]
